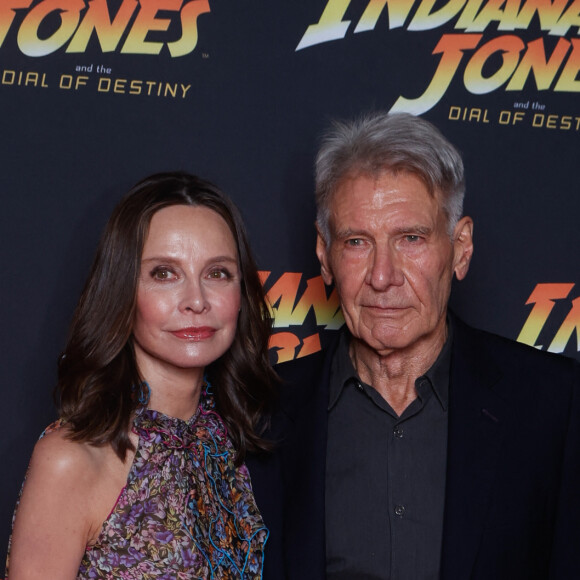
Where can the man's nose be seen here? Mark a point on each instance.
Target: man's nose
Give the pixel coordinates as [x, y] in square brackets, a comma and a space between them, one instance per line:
[193, 297]
[385, 269]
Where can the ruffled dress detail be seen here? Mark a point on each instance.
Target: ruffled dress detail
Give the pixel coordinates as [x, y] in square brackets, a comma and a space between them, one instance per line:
[186, 512]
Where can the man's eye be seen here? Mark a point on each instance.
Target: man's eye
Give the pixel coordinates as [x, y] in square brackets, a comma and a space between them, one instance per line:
[354, 242]
[412, 238]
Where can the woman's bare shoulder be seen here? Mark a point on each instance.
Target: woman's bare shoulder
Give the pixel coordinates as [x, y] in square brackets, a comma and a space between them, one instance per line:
[69, 491]
[57, 458]
[54, 518]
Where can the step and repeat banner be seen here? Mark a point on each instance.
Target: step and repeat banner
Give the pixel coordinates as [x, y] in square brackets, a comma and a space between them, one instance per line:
[96, 94]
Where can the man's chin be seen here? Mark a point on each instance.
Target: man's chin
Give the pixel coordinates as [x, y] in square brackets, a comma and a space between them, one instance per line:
[386, 342]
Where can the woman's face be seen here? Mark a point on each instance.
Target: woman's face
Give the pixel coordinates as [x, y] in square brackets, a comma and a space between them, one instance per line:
[188, 295]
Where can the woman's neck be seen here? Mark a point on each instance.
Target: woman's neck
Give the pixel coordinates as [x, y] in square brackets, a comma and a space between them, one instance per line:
[175, 393]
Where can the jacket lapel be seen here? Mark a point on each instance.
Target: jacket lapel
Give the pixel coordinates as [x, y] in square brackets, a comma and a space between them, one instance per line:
[477, 415]
[305, 481]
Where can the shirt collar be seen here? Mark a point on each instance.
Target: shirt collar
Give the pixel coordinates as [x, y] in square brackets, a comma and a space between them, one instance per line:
[438, 374]
[342, 370]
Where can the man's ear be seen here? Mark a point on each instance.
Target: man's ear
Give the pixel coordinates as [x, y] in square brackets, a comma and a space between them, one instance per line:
[322, 253]
[462, 246]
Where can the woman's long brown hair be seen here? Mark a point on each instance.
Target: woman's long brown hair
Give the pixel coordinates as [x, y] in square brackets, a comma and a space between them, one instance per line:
[99, 385]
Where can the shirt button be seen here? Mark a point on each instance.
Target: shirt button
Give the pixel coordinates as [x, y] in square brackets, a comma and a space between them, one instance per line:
[398, 432]
[359, 386]
[400, 510]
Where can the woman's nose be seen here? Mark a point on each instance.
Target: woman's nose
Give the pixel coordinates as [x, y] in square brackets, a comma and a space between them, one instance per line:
[194, 297]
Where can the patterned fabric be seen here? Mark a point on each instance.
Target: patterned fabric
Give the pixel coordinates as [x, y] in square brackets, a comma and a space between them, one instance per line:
[186, 512]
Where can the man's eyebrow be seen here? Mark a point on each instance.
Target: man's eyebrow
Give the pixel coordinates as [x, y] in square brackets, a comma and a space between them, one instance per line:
[415, 229]
[347, 233]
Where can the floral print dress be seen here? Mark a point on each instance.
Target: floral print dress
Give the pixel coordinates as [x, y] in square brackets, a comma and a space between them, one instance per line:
[186, 511]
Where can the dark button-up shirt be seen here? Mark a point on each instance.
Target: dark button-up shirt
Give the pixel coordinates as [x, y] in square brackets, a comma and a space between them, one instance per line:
[385, 476]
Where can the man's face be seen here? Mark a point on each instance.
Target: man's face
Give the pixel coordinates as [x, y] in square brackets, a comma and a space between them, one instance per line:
[392, 260]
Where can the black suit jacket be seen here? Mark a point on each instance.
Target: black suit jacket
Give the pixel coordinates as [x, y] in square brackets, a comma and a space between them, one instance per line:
[512, 502]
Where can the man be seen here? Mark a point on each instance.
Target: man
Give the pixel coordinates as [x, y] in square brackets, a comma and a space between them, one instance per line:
[417, 447]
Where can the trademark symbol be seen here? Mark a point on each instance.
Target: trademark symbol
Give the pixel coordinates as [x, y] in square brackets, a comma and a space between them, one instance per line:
[204, 55]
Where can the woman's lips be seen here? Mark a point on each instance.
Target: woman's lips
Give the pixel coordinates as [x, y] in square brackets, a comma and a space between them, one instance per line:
[194, 333]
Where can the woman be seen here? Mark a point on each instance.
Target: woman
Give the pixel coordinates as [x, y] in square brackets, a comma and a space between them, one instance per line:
[164, 387]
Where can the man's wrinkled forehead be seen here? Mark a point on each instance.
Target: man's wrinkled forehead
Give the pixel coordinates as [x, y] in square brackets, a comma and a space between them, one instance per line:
[380, 172]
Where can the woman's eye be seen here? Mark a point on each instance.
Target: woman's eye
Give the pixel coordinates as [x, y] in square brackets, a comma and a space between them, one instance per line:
[162, 274]
[219, 274]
